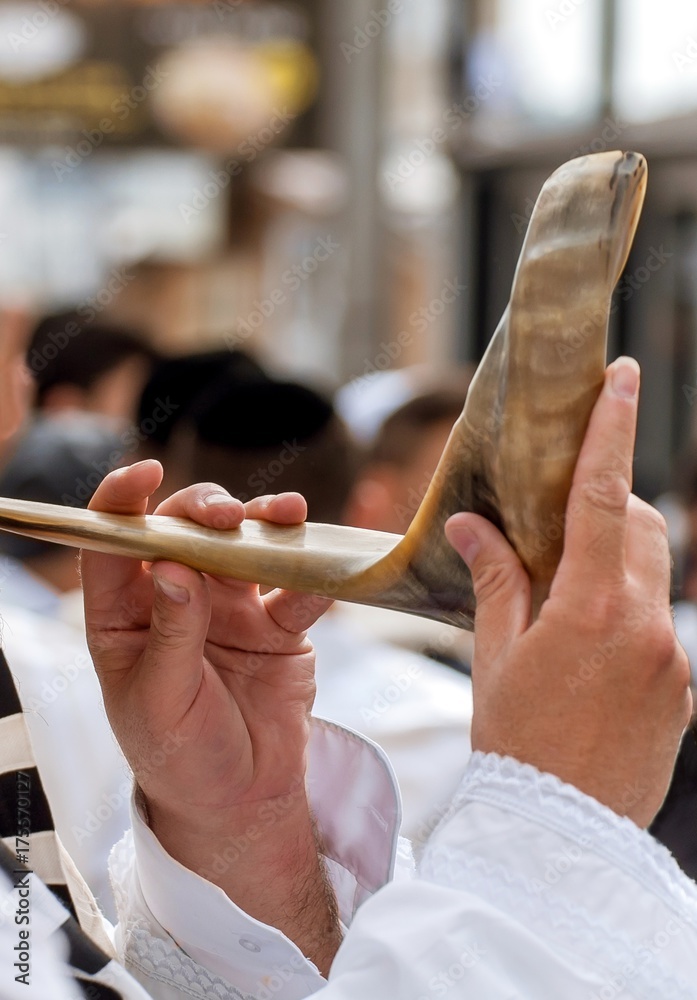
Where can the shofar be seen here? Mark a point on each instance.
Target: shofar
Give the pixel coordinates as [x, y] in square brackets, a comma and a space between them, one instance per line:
[510, 456]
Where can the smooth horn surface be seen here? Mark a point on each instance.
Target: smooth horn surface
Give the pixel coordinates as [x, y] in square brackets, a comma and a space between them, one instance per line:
[510, 456]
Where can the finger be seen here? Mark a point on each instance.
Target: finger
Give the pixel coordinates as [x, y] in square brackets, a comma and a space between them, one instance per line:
[207, 504]
[284, 508]
[173, 660]
[596, 518]
[295, 612]
[125, 491]
[648, 553]
[501, 585]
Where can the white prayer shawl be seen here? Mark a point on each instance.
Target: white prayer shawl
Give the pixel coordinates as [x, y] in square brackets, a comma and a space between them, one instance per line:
[38, 926]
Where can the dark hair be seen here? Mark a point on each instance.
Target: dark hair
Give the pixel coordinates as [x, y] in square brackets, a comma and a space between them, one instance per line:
[401, 432]
[67, 349]
[188, 382]
[262, 436]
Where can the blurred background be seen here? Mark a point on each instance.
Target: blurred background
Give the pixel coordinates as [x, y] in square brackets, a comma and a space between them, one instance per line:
[343, 186]
[238, 235]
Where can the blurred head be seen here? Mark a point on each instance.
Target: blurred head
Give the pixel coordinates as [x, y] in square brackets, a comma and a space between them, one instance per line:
[58, 460]
[402, 460]
[178, 384]
[254, 435]
[91, 366]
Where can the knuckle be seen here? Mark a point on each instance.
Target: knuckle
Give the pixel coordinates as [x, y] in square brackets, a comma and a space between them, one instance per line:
[166, 631]
[663, 650]
[683, 670]
[493, 579]
[648, 516]
[604, 608]
[607, 491]
[101, 644]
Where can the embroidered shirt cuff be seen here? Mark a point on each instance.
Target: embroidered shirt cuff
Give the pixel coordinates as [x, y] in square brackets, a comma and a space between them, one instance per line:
[355, 802]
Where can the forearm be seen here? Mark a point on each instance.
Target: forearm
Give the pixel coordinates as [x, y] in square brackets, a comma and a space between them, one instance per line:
[267, 858]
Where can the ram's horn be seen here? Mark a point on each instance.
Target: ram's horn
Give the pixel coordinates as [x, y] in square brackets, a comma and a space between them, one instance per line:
[510, 456]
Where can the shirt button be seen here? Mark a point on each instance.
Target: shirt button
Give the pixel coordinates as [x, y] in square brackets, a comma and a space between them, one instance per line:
[250, 945]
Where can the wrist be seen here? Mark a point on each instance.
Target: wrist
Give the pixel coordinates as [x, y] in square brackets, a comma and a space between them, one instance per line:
[212, 841]
[267, 858]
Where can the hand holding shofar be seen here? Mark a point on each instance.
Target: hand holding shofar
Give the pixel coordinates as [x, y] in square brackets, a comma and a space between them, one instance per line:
[510, 457]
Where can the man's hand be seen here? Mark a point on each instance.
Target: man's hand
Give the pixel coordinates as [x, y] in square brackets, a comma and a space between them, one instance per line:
[208, 687]
[596, 691]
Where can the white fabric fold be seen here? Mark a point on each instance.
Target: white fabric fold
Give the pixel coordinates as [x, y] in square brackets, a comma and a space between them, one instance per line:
[528, 889]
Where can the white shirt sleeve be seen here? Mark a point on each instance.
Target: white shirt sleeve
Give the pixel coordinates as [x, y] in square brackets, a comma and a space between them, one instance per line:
[527, 890]
[177, 928]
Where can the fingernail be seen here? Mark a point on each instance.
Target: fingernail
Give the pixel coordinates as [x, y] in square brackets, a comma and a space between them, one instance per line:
[468, 545]
[217, 500]
[172, 591]
[625, 379]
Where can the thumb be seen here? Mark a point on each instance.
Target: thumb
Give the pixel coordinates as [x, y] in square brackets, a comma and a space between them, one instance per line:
[180, 617]
[501, 585]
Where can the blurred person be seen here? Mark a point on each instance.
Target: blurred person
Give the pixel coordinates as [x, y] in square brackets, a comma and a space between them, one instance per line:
[402, 459]
[255, 435]
[177, 383]
[62, 460]
[366, 402]
[390, 486]
[56, 460]
[82, 364]
[180, 381]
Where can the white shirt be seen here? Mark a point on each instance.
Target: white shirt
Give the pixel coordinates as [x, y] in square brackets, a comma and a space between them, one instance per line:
[417, 710]
[86, 777]
[528, 890]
